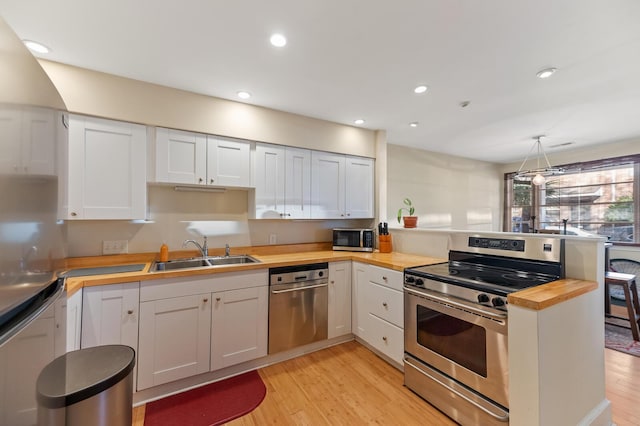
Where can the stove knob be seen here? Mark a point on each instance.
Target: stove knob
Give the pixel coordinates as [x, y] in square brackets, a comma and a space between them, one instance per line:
[483, 298]
[420, 282]
[496, 301]
[410, 280]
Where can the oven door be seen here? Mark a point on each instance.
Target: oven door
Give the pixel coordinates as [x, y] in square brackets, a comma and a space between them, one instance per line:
[466, 342]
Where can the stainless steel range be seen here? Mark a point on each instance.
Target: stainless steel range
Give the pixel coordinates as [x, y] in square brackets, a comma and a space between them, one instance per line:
[456, 321]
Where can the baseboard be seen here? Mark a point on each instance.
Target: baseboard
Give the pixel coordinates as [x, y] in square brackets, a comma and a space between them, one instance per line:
[599, 416]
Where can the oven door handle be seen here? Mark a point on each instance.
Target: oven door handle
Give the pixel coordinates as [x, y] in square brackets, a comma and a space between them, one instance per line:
[474, 309]
[298, 288]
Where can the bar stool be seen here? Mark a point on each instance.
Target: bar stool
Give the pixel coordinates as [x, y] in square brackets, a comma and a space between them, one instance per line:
[628, 284]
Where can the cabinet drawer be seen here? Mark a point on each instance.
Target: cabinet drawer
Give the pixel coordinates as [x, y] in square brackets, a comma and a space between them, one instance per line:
[386, 303]
[387, 338]
[386, 277]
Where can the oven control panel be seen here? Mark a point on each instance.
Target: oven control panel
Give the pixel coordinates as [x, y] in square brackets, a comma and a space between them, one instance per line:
[470, 295]
[497, 243]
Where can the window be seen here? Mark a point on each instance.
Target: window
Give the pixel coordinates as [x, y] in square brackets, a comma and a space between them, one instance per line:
[593, 198]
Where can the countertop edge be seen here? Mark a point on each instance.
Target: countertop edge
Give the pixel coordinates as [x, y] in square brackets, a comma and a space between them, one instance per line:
[553, 293]
[395, 261]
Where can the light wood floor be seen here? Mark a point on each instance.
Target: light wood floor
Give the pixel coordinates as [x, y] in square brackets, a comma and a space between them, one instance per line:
[347, 385]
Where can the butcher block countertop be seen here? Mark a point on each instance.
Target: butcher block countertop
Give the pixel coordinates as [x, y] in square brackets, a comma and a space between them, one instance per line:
[269, 257]
[535, 298]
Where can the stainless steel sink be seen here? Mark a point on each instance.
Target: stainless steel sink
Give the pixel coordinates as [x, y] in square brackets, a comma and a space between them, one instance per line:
[209, 262]
[232, 260]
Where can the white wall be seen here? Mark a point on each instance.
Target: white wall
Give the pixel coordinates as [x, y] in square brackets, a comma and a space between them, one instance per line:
[448, 192]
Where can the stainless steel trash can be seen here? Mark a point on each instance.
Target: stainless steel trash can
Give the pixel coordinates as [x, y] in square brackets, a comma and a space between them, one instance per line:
[92, 386]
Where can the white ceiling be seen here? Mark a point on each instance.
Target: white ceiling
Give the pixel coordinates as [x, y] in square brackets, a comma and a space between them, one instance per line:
[349, 59]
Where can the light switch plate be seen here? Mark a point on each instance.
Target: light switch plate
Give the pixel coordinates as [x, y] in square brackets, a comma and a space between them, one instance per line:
[115, 246]
[273, 239]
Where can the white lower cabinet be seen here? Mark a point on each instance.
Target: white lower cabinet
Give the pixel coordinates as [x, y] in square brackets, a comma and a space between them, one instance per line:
[379, 309]
[110, 315]
[190, 326]
[239, 326]
[339, 303]
[174, 339]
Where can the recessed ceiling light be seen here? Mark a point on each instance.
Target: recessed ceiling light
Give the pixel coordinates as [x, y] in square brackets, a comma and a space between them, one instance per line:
[278, 40]
[34, 46]
[420, 89]
[546, 73]
[359, 121]
[244, 95]
[414, 124]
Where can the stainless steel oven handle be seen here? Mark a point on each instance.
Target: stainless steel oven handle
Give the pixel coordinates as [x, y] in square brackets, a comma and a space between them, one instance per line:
[298, 288]
[461, 395]
[496, 316]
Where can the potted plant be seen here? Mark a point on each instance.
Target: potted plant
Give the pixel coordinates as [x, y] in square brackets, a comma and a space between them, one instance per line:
[410, 221]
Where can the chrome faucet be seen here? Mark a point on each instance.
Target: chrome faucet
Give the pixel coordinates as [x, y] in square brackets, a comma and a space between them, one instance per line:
[227, 250]
[204, 249]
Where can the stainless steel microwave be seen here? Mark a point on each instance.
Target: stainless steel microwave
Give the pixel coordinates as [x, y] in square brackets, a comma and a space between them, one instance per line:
[353, 239]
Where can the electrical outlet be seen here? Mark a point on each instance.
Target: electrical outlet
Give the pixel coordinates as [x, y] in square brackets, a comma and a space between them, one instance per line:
[272, 238]
[115, 246]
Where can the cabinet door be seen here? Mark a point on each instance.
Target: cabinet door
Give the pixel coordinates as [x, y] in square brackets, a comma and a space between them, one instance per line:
[174, 339]
[327, 185]
[74, 320]
[359, 187]
[339, 299]
[228, 162]
[239, 328]
[360, 303]
[39, 141]
[110, 315]
[297, 190]
[27, 141]
[181, 157]
[270, 181]
[107, 169]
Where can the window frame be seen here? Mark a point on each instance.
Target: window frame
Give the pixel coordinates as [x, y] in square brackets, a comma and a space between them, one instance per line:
[573, 168]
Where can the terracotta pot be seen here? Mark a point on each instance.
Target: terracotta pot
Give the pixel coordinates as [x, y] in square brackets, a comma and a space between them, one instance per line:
[410, 221]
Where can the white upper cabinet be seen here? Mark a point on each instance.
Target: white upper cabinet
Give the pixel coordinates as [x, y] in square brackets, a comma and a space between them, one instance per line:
[196, 159]
[228, 162]
[342, 186]
[27, 140]
[283, 182]
[359, 175]
[181, 157]
[106, 173]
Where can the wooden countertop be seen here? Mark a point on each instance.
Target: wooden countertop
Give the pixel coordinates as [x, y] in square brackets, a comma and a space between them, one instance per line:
[546, 295]
[535, 298]
[395, 261]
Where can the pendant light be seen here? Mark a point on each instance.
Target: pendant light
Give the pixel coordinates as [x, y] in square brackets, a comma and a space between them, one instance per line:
[538, 176]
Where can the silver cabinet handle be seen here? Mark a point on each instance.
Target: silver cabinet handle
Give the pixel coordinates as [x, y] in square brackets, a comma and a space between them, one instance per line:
[130, 311]
[384, 304]
[384, 338]
[199, 180]
[218, 299]
[384, 278]
[211, 181]
[74, 214]
[205, 300]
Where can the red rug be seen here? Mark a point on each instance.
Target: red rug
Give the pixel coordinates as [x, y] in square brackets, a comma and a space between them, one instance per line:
[213, 404]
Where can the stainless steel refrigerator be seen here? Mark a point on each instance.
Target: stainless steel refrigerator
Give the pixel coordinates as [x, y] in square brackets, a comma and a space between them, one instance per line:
[32, 115]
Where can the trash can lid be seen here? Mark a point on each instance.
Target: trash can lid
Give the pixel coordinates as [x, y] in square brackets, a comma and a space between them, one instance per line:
[79, 375]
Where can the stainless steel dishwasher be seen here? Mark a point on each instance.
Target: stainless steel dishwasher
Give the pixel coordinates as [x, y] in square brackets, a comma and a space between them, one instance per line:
[298, 298]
